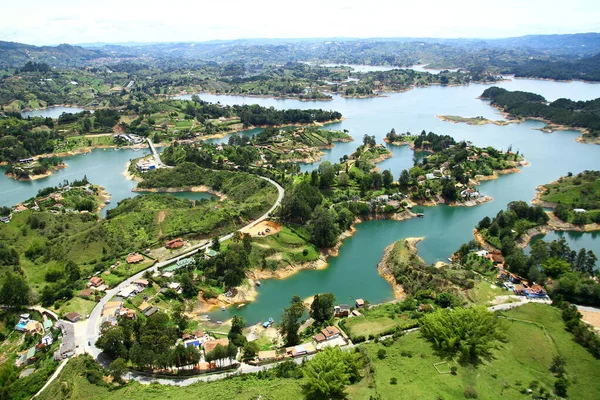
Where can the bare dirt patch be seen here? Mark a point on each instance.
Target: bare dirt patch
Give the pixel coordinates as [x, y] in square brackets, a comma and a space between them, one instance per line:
[592, 318]
[273, 227]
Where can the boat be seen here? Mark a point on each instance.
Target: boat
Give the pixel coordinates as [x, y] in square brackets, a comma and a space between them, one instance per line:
[222, 308]
[257, 283]
[240, 306]
[106, 201]
[420, 215]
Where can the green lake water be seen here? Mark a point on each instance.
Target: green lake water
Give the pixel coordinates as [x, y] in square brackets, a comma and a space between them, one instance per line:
[353, 273]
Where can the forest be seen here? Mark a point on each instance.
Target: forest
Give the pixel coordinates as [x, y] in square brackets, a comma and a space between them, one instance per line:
[577, 114]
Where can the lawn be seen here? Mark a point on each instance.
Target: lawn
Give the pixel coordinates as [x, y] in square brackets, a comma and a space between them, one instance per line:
[535, 335]
[288, 245]
[526, 357]
[376, 321]
[71, 384]
[76, 304]
[483, 293]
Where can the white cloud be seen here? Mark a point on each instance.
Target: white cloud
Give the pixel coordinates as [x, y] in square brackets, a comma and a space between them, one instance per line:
[70, 21]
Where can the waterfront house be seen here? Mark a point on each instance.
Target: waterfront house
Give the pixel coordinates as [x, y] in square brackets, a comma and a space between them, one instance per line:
[211, 344]
[328, 333]
[359, 303]
[342, 310]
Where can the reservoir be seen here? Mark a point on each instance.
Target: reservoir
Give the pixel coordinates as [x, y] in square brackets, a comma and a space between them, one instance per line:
[353, 273]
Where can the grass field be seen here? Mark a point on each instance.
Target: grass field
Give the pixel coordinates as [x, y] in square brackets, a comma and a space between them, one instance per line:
[525, 358]
[72, 384]
[535, 335]
[377, 321]
[76, 304]
[483, 293]
[286, 247]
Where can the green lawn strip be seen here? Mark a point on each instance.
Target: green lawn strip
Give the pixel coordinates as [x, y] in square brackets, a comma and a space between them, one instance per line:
[73, 384]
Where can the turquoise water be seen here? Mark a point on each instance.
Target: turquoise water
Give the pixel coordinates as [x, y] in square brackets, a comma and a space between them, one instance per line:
[353, 273]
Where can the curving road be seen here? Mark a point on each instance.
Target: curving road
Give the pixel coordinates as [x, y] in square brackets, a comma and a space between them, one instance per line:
[92, 324]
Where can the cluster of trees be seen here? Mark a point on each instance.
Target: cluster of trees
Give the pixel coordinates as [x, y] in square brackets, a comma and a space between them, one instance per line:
[507, 226]
[582, 332]
[582, 114]
[148, 343]
[229, 266]
[330, 371]
[417, 277]
[471, 333]
[20, 139]
[576, 191]
[255, 115]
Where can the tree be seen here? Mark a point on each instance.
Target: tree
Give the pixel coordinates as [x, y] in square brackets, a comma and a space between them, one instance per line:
[235, 334]
[555, 267]
[321, 309]
[117, 368]
[471, 332]
[388, 178]
[188, 289]
[327, 174]
[247, 242]
[323, 227]
[329, 372]
[111, 342]
[290, 321]
[250, 351]
[216, 244]
[15, 291]
[73, 271]
[404, 179]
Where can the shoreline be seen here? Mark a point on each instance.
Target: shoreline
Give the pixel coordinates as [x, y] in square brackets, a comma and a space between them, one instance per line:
[247, 295]
[386, 274]
[40, 176]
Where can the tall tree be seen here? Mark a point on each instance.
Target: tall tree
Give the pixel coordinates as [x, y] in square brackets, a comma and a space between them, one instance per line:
[323, 227]
[321, 309]
[290, 321]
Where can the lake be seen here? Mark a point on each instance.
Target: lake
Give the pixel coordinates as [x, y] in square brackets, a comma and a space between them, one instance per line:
[353, 273]
[52, 112]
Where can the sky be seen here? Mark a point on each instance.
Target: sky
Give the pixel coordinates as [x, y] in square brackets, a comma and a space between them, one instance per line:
[43, 22]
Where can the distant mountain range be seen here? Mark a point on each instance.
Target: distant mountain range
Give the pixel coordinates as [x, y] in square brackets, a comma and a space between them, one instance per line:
[382, 51]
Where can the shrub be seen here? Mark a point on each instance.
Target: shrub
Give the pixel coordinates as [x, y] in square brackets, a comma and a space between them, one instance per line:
[453, 370]
[470, 393]
[393, 381]
[381, 354]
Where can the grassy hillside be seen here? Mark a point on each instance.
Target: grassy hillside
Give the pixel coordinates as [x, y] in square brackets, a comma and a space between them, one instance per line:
[406, 371]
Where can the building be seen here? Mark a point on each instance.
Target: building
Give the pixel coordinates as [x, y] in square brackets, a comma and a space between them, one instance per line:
[86, 293]
[33, 327]
[300, 350]
[73, 317]
[134, 258]
[145, 307]
[342, 310]
[175, 243]
[129, 291]
[536, 292]
[519, 290]
[328, 333]
[267, 355]
[359, 303]
[95, 281]
[175, 286]
[482, 253]
[47, 324]
[151, 311]
[141, 282]
[211, 344]
[469, 194]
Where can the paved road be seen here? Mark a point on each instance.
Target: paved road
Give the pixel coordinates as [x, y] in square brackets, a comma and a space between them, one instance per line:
[93, 322]
[157, 160]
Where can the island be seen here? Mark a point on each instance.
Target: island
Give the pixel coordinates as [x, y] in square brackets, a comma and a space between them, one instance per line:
[450, 170]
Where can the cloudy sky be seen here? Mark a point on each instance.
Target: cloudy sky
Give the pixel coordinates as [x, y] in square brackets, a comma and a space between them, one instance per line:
[76, 21]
